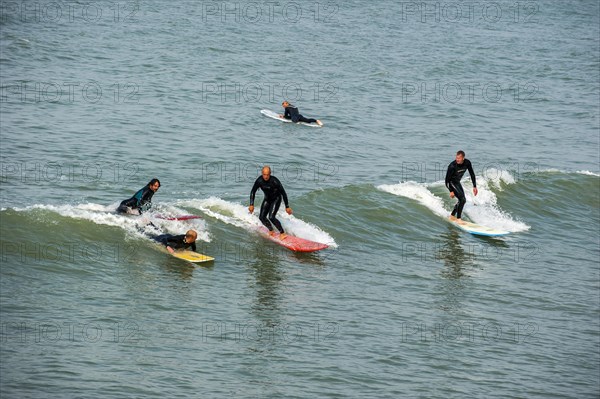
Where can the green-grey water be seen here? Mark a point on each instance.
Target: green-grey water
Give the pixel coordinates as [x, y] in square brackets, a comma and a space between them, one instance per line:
[98, 98]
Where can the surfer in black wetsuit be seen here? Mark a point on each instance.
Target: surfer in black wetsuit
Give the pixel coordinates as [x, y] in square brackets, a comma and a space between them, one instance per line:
[142, 200]
[456, 170]
[182, 241]
[291, 112]
[274, 192]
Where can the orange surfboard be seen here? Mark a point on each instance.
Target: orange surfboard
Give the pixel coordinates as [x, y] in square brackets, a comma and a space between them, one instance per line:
[293, 243]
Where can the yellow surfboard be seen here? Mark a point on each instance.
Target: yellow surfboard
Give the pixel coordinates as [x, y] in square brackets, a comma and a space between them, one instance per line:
[192, 256]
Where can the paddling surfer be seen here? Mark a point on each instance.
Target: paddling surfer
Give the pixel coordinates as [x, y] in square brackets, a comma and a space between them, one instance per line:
[454, 174]
[291, 112]
[182, 241]
[274, 192]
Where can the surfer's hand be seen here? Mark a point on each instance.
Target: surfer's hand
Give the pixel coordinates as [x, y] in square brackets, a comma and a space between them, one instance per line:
[171, 250]
[251, 209]
[475, 191]
[288, 210]
[280, 115]
[451, 194]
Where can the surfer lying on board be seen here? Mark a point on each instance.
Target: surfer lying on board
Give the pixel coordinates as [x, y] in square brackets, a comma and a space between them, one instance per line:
[456, 170]
[273, 190]
[291, 112]
[182, 241]
[142, 200]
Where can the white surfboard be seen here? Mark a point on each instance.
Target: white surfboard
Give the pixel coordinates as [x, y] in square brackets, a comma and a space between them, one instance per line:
[479, 230]
[275, 115]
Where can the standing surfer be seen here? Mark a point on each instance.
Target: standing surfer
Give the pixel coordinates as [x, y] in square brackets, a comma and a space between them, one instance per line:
[454, 174]
[274, 192]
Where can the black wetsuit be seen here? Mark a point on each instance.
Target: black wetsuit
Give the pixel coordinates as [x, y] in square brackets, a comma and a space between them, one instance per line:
[175, 242]
[273, 193]
[142, 200]
[453, 176]
[292, 113]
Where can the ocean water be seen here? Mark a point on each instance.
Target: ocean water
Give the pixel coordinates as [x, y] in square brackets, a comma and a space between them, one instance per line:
[97, 98]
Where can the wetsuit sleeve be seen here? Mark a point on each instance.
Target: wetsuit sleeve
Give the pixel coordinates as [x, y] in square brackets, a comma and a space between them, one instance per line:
[253, 191]
[283, 194]
[449, 174]
[193, 246]
[472, 174]
[287, 115]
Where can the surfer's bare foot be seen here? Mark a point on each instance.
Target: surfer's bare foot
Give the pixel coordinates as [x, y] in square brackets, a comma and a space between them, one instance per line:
[272, 233]
[460, 221]
[452, 218]
[319, 123]
[282, 236]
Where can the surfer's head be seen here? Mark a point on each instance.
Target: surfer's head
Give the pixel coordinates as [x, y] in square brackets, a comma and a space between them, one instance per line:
[460, 157]
[266, 172]
[285, 104]
[154, 184]
[190, 236]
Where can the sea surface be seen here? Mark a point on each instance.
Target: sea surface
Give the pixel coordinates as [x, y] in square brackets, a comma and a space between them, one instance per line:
[97, 98]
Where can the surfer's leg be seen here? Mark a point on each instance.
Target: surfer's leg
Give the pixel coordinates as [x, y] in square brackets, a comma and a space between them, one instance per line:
[462, 200]
[306, 120]
[273, 214]
[459, 194]
[264, 210]
[453, 213]
[123, 208]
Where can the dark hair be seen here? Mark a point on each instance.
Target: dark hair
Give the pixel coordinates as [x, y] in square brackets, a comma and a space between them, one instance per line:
[154, 181]
[460, 152]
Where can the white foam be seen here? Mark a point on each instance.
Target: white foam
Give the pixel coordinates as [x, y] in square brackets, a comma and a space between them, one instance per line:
[237, 215]
[137, 226]
[579, 172]
[495, 177]
[484, 210]
[588, 173]
[178, 226]
[481, 209]
[418, 192]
